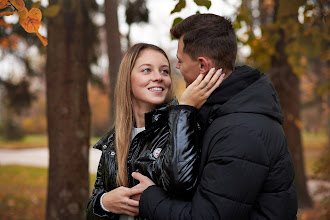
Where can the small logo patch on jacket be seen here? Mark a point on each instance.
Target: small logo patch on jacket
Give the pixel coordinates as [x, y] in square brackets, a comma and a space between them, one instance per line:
[157, 152]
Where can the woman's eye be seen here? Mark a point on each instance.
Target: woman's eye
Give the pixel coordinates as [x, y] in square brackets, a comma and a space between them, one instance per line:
[146, 70]
[165, 71]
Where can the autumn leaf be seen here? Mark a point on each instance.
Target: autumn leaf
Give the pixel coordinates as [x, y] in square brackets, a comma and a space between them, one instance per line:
[4, 4]
[18, 4]
[30, 21]
[6, 13]
[43, 39]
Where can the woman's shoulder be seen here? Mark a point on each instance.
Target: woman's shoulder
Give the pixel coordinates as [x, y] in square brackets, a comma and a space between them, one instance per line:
[108, 137]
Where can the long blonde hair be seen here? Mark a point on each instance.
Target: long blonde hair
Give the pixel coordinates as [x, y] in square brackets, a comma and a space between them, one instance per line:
[123, 107]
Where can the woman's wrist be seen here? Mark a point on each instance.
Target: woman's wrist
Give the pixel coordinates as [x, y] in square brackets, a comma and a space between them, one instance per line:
[102, 203]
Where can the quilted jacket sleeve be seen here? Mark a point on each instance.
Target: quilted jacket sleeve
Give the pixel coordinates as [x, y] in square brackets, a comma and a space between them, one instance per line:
[180, 161]
[94, 210]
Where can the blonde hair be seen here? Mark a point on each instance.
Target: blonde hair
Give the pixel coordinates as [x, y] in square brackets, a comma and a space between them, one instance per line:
[124, 119]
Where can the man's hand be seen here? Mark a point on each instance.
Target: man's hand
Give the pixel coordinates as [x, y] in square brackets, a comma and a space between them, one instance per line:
[145, 182]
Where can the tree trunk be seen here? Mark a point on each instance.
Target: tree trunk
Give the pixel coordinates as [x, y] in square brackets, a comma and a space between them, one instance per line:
[287, 86]
[68, 111]
[114, 49]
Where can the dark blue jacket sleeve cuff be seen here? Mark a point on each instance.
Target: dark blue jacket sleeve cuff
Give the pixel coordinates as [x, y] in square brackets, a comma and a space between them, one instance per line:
[150, 199]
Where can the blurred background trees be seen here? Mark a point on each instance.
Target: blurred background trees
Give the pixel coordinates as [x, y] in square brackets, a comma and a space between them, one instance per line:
[288, 40]
[70, 52]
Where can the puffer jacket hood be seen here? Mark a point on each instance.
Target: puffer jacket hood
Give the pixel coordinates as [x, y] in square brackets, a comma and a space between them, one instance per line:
[245, 90]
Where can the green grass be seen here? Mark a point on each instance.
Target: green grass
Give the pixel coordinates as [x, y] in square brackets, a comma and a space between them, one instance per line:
[32, 141]
[316, 141]
[29, 141]
[23, 192]
[313, 147]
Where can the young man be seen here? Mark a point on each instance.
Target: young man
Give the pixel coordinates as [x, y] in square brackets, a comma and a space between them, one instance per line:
[246, 170]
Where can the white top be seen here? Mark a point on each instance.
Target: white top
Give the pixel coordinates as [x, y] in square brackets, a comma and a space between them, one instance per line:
[135, 131]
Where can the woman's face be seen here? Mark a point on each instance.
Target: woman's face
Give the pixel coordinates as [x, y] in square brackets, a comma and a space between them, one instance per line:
[150, 80]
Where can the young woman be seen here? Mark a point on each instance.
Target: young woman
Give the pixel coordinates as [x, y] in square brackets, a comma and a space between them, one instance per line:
[153, 134]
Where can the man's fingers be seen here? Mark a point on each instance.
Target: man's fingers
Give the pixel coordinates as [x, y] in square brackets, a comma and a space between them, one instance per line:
[138, 176]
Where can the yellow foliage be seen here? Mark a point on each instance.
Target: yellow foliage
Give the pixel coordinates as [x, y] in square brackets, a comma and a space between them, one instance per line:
[4, 4]
[33, 126]
[18, 4]
[6, 13]
[29, 20]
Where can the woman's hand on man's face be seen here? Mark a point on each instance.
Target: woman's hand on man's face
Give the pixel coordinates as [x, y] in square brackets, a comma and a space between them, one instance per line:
[198, 92]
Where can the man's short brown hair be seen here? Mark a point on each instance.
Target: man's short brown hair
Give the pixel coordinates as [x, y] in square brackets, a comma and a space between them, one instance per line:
[208, 35]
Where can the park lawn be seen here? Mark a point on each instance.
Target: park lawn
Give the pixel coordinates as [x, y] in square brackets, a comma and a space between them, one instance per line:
[314, 145]
[32, 141]
[23, 188]
[23, 192]
[29, 141]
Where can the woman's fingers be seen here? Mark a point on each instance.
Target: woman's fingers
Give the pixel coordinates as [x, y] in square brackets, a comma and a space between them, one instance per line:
[210, 79]
[206, 78]
[197, 92]
[201, 77]
[215, 82]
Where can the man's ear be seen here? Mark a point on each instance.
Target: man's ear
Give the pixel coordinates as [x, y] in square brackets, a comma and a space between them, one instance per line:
[205, 64]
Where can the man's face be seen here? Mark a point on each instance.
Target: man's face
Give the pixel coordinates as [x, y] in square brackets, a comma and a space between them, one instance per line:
[189, 68]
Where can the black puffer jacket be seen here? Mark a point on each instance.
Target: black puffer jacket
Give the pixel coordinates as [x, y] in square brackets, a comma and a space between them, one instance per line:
[167, 151]
[246, 169]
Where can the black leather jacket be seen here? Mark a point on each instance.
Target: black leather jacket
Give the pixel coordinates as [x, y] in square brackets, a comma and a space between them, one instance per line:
[167, 151]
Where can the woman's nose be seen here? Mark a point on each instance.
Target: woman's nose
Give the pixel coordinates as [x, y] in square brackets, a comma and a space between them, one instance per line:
[157, 76]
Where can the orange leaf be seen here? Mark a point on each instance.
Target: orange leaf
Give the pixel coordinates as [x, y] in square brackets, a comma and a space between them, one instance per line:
[6, 13]
[4, 4]
[18, 4]
[23, 14]
[43, 39]
[30, 21]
